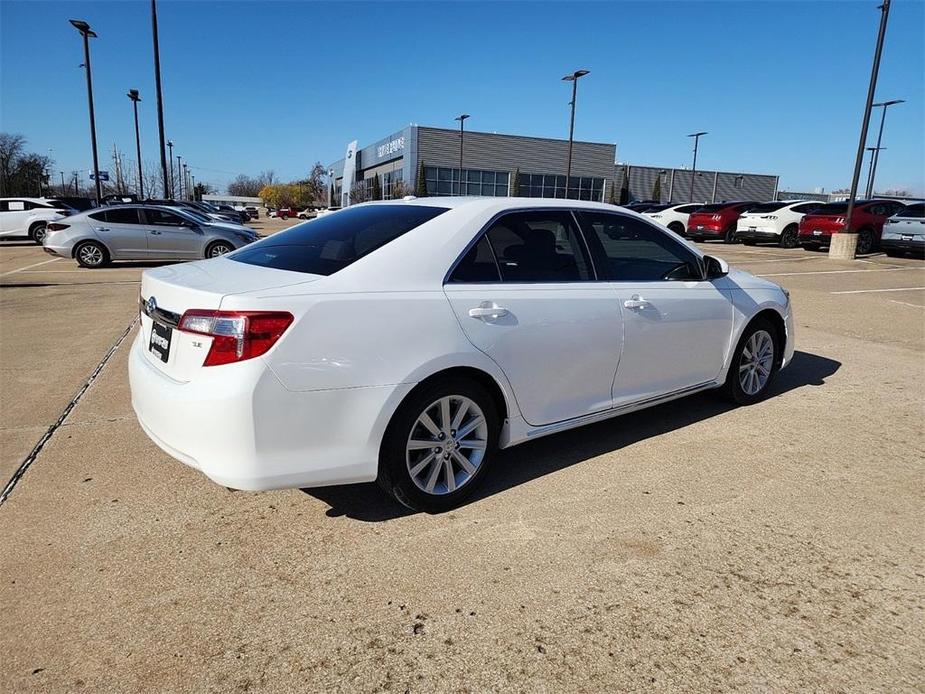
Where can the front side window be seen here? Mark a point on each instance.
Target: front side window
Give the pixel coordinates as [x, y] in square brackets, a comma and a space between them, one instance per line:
[539, 247]
[164, 218]
[330, 243]
[634, 251]
[478, 265]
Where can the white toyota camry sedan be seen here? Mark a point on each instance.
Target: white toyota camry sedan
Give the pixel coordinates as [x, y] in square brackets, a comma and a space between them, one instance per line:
[408, 341]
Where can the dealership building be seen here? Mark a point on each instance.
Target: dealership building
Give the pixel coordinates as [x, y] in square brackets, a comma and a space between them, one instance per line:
[499, 165]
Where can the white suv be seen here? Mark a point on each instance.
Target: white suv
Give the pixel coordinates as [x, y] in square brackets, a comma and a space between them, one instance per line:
[29, 216]
[778, 222]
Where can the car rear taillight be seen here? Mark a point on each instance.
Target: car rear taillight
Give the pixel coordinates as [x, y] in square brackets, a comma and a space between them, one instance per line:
[236, 335]
[839, 220]
[716, 217]
[56, 226]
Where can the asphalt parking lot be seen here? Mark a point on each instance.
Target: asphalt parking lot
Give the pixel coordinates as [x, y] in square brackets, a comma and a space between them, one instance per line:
[688, 547]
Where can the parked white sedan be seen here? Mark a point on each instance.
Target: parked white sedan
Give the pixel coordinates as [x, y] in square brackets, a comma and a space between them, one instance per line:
[673, 217]
[777, 222]
[407, 341]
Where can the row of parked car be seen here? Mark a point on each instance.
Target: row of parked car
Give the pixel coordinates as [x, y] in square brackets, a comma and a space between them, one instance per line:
[119, 230]
[891, 225]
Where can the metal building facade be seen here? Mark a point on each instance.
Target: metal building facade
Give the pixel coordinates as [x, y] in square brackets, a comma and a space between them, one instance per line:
[709, 186]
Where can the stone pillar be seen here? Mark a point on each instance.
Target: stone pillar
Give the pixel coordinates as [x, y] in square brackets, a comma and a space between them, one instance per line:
[843, 246]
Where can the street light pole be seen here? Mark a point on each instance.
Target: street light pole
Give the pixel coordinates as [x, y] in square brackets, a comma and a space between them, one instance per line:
[462, 119]
[133, 95]
[876, 154]
[193, 177]
[185, 182]
[573, 78]
[179, 177]
[170, 192]
[87, 33]
[160, 98]
[696, 137]
[844, 244]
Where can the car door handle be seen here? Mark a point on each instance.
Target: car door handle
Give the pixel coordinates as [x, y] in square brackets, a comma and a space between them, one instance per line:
[102, 228]
[635, 302]
[487, 311]
[156, 233]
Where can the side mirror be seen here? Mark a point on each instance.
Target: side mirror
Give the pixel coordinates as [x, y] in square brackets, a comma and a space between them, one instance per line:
[715, 267]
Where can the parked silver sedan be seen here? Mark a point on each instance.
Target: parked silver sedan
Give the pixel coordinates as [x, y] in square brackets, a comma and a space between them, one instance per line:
[142, 232]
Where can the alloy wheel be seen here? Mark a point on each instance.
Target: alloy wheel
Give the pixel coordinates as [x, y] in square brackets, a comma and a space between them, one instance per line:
[756, 362]
[447, 444]
[39, 234]
[865, 242]
[219, 249]
[91, 255]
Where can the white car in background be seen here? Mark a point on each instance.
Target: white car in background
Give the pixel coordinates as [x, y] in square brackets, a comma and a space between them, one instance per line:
[776, 222]
[29, 216]
[407, 341]
[904, 232]
[673, 217]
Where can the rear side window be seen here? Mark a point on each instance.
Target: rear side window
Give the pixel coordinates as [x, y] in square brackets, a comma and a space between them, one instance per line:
[539, 247]
[122, 215]
[328, 244]
[805, 207]
[687, 209]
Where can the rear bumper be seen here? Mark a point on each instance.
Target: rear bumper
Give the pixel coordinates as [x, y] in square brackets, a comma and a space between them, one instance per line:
[240, 427]
[916, 245]
[811, 239]
[758, 234]
[707, 232]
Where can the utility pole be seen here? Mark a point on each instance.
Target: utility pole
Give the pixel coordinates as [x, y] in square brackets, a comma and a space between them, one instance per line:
[696, 137]
[844, 244]
[160, 98]
[133, 95]
[170, 190]
[573, 78]
[87, 33]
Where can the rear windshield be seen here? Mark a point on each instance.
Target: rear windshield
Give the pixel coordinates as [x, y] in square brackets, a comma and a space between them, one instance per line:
[716, 207]
[832, 208]
[916, 210]
[767, 207]
[330, 243]
[658, 208]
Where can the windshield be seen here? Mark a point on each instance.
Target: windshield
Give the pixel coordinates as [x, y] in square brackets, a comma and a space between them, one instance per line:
[328, 244]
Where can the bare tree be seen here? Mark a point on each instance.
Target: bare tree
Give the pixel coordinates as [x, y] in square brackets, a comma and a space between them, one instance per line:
[21, 172]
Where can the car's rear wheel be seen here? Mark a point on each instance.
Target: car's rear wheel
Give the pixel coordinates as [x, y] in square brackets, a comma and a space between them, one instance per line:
[754, 364]
[865, 241]
[730, 235]
[38, 232]
[677, 228]
[91, 254]
[218, 248]
[439, 444]
[789, 236]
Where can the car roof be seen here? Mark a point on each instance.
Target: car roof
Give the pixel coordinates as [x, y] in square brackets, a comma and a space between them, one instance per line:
[476, 203]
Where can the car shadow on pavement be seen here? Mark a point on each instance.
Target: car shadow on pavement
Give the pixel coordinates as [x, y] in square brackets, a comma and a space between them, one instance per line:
[528, 461]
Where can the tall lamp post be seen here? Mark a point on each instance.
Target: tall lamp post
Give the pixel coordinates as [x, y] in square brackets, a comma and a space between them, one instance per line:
[876, 156]
[573, 78]
[160, 98]
[179, 178]
[193, 177]
[185, 182]
[133, 95]
[87, 33]
[874, 153]
[170, 192]
[844, 244]
[462, 119]
[696, 137]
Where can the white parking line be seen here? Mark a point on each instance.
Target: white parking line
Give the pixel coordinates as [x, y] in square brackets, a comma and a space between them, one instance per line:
[874, 291]
[23, 269]
[841, 272]
[906, 303]
[779, 260]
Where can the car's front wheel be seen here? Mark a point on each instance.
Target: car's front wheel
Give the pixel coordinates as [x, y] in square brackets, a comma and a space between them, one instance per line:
[217, 249]
[439, 444]
[754, 364]
[38, 232]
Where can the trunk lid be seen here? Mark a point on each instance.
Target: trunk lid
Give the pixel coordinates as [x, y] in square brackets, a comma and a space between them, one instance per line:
[169, 291]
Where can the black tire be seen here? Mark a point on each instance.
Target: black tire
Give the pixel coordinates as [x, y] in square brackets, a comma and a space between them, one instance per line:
[91, 254]
[865, 242]
[789, 237]
[218, 248]
[395, 462]
[730, 235]
[749, 243]
[38, 231]
[733, 387]
[678, 228]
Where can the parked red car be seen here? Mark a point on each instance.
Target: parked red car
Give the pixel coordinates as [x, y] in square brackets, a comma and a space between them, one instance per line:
[717, 221]
[867, 220]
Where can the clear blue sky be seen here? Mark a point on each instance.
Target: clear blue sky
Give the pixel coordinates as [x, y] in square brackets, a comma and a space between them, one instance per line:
[278, 85]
